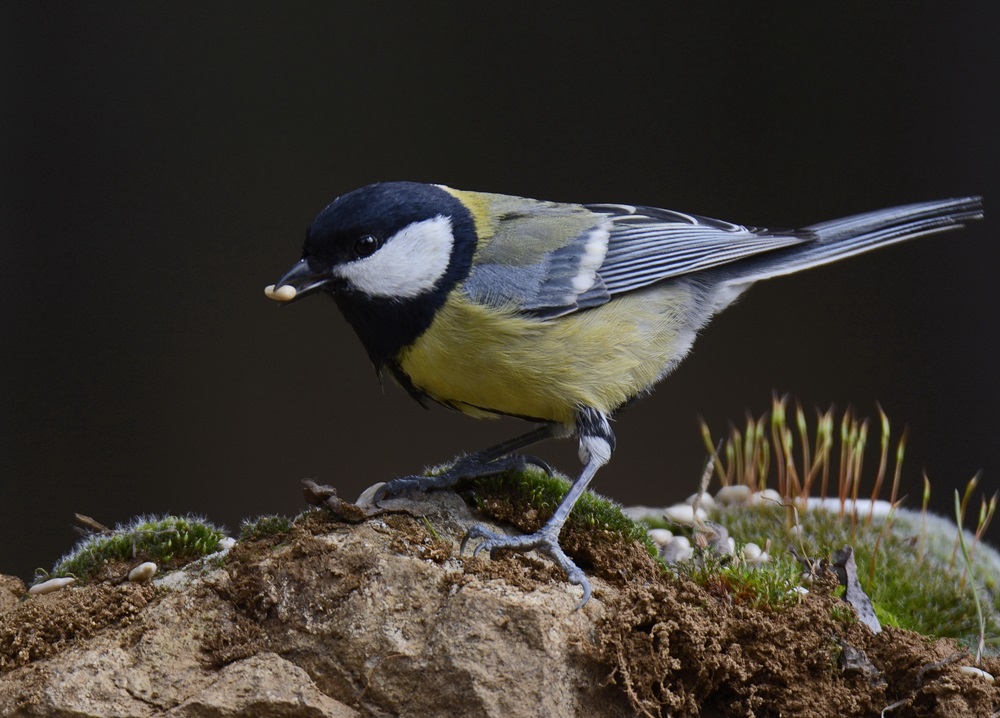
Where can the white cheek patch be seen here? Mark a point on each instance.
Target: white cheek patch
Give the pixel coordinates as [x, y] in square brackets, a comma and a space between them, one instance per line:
[409, 263]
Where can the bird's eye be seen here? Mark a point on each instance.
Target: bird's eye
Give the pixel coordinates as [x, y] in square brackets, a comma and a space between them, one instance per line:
[365, 246]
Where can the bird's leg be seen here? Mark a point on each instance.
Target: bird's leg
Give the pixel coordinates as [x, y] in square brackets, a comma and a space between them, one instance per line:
[488, 462]
[596, 444]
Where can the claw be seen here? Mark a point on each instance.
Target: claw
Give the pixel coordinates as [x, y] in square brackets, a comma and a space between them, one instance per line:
[539, 463]
[477, 531]
[542, 541]
[585, 585]
[380, 493]
[491, 462]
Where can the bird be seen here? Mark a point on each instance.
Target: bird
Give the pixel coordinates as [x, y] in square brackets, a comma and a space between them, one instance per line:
[556, 313]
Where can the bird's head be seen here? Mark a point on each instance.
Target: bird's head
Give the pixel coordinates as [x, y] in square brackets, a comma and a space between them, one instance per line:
[389, 253]
[395, 241]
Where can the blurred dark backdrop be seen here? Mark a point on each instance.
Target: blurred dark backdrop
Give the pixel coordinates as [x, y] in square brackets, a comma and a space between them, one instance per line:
[160, 162]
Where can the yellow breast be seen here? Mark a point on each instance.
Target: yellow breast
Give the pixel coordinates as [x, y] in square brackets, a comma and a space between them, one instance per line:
[485, 362]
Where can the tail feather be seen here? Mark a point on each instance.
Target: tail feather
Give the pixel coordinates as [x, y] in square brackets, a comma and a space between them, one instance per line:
[845, 237]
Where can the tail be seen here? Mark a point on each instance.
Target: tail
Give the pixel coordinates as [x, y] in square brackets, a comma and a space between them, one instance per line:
[845, 237]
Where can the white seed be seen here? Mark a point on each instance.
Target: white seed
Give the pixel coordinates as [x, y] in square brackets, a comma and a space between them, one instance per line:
[142, 572]
[707, 502]
[679, 549]
[683, 514]
[284, 293]
[754, 555]
[731, 495]
[767, 496]
[978, 672]
[661, 537]
[225, 543]
[53, 584]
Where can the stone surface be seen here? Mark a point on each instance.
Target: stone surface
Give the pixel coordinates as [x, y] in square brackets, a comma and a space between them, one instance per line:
[378, 615]
[264, 685]
[376, 619]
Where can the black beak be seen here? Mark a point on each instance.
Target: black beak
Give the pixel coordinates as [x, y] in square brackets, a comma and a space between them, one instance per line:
[297, 282]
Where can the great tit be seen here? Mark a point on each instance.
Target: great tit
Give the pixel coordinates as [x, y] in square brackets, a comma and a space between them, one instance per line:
[555, 313]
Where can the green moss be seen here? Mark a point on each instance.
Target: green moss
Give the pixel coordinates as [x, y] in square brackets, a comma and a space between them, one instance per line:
[915, 580]
[912, 586]
[533, 489]
[168, 541]
[910, 567]
[771, 586]
[533, 493]
[264, 526]
[885, 618]
[842, 612]
[657, 522]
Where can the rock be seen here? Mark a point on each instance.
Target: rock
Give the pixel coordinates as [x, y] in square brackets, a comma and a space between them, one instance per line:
[847, 572]
[376, 614]
[661, 537]
[677, 549]
[376, 619]
[684, 514]
[53, 584]
[263, 685]
[733, 495]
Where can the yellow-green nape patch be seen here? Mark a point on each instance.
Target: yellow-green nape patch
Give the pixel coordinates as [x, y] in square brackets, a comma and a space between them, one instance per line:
[519, 231]
[479, 205]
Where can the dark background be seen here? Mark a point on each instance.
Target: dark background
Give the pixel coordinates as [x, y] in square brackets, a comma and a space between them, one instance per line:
[160, 162]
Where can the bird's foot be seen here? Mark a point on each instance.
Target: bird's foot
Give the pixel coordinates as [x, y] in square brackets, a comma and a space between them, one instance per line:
[471, 466]
[545, 541]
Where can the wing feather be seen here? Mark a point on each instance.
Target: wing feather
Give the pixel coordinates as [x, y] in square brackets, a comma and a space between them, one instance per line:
[547, 259]
[593, 252]
[648, 245]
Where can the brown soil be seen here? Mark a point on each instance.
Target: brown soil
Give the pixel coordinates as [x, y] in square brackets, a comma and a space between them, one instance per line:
[666, 646]
[44, 625]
